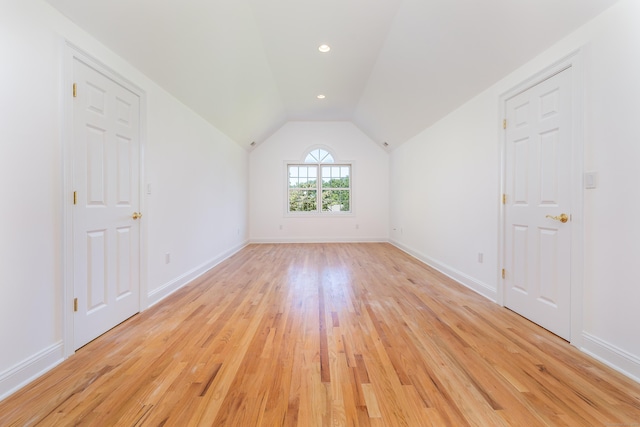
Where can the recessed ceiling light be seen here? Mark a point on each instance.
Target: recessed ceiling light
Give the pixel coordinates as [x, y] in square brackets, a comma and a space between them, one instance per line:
[324, 48]
[321, 96]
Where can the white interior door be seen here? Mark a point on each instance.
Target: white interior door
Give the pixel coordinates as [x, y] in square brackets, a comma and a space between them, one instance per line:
[106, 237]
[538, 188]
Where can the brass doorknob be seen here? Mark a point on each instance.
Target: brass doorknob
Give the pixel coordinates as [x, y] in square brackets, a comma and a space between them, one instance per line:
[136, 215]
[562, 217]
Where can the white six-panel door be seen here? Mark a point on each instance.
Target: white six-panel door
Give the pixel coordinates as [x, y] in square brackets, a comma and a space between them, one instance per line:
[537, 188]
[106, 237]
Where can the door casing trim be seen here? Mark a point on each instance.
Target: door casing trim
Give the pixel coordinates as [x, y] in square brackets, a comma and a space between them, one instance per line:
[72, 53]
[573, 61]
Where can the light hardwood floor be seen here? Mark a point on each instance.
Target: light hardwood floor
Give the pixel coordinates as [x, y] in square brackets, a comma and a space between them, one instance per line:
[326, 335]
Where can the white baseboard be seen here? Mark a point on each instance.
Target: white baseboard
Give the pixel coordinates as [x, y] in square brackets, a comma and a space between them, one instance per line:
[320, 240]
[612, 356]
[167, 289]
[460, 277]
[30, 369]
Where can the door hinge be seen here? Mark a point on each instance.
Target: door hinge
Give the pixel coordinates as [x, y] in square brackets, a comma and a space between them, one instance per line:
[75, 197]
[504, 123]
[504, 199]
[504, 273]
[75, 304]
[75, 90]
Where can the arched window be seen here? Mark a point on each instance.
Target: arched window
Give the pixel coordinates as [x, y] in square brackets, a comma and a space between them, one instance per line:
[319, 156]
[319, 185]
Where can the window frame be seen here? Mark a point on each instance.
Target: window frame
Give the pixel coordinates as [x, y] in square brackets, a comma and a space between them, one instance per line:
[319, 188]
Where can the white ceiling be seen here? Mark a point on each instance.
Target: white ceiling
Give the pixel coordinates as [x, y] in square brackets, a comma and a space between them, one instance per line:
[396, 66]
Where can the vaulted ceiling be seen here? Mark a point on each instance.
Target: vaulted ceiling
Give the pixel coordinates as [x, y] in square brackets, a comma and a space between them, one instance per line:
[395, 66]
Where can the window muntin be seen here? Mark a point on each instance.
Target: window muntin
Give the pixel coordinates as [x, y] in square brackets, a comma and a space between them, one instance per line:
[303, 183]
[319, 185]
[319, 156]
[336, 186]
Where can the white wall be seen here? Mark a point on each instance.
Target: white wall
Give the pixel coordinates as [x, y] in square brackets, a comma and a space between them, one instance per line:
[199, 201]
[268, 178]
[447, 210]
[197, 210]
[443, 207]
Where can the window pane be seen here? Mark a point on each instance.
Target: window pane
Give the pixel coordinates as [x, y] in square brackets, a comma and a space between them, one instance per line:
[302, 200]
[302, 176]
[319, 156]
[314, 156]
[293, 176]
[326, 157]
[326, 174]
[335, 177]
[331, 194]
[308, 171]
[336, 201]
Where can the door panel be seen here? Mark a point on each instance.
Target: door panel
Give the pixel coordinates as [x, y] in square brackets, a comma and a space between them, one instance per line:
[124, 241]
[519, 250]
[96, 263]
[537, 181]
[124, 183]
[106, 179]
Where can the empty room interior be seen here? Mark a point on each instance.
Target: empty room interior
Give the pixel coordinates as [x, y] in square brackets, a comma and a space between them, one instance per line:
[401, 212]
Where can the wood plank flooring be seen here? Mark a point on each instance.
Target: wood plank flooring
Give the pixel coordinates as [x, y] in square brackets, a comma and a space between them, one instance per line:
[326, 335]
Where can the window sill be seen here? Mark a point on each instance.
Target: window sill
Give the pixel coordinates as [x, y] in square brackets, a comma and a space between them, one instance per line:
[318, 214]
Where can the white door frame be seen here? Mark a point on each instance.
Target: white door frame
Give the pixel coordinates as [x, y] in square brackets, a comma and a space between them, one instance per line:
[72, 53]
[573, 61]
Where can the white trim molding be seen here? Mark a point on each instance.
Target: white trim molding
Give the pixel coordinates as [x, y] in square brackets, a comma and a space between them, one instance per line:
[278, 240]
[29, 369]
[574, 61]
[71, 53]
[460, 277]
[612, 356]
[168, 288]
